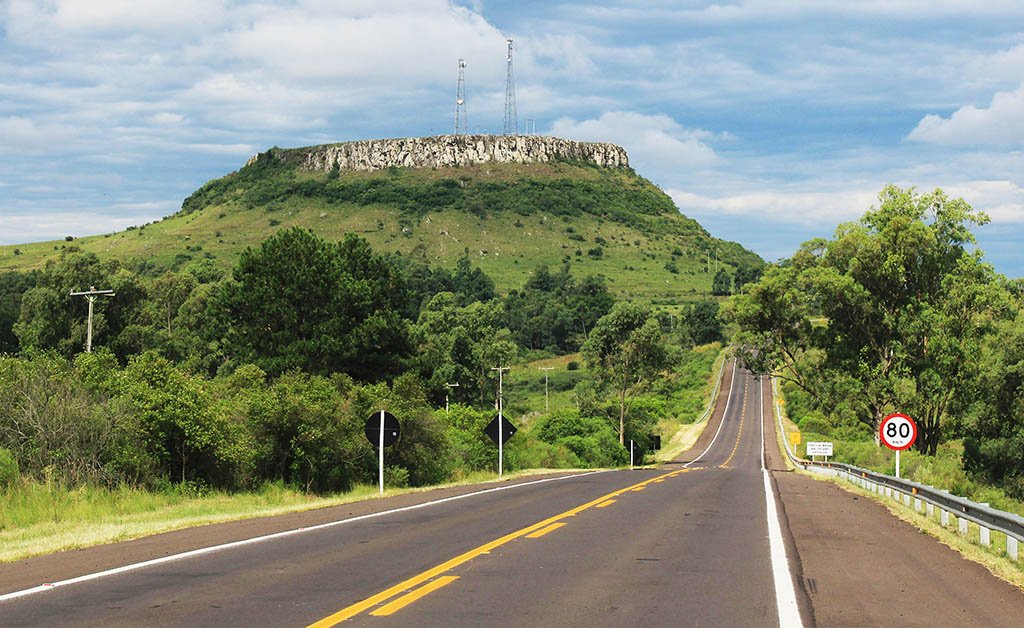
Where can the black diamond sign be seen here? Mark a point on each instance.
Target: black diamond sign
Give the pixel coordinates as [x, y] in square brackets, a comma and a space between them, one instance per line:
[507, 430]
[390, 429]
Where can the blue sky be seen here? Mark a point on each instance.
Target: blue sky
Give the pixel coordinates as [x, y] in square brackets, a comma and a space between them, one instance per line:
[769, 121]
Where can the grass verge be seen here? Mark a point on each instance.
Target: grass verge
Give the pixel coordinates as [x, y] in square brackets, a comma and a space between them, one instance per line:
[36, 519]
[686, 434]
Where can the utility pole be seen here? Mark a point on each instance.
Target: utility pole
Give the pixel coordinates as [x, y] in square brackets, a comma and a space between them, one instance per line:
[547, 408]
[448, 389]
[91, 295]
[501, 407]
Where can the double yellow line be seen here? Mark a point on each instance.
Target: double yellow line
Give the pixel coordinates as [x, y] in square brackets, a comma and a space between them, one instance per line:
[432, 579]
[743, 408]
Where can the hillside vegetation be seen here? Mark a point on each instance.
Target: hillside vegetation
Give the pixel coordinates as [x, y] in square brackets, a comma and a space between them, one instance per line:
[509, 219]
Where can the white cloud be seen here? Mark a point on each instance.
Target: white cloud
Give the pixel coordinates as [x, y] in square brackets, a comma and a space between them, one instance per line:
[655, 143]
[26, 135]
[397, 43]
[92, 18]
[166, 118]
[1000, 124]
[810, 208]
[16, 228]
[1003, 201]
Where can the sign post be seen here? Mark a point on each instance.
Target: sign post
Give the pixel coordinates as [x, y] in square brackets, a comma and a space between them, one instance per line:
[381, 430]
[500, 430]
[897, 432]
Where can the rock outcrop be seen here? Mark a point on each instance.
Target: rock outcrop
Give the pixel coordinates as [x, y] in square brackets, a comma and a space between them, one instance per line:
[448, 150]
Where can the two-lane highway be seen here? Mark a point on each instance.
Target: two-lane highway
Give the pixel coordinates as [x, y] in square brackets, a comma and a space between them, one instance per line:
[687, 544]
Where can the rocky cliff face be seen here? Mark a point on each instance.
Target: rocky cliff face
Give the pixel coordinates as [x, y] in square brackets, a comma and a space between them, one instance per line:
[449, 150]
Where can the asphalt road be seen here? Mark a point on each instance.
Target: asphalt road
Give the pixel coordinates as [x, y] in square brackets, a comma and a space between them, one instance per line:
[683, 545]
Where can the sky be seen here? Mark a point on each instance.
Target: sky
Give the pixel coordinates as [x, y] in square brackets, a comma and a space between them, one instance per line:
[769, 121]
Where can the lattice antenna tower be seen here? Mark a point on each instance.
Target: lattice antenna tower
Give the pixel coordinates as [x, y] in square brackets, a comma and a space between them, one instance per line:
[511, 121]
[461, 125]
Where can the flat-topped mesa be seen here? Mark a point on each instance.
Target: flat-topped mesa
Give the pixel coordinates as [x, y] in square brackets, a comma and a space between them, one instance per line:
[447, 151]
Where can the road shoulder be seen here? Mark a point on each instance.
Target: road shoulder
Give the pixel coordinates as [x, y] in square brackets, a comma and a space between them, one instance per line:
[862, 566]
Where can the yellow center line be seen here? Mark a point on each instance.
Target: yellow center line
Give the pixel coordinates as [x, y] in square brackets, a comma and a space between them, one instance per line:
[412, 596]
[743, 407]
[413, 582]
[543, 531]
[605, 503]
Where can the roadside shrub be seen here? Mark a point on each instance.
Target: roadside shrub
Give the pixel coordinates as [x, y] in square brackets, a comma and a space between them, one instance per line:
[814, 423]
[9, 474]
[591, 439]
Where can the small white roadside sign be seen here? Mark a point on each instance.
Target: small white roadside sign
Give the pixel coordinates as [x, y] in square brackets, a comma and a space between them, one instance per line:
[819, 448]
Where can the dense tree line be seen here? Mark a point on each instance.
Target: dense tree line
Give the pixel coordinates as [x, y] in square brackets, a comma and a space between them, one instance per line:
[268, 373]
[899, 311]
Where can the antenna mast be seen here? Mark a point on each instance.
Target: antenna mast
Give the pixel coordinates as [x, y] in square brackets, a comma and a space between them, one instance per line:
[511, 122]
[460, 101]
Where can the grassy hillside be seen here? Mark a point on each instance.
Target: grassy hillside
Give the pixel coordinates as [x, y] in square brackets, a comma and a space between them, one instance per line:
[508, 218]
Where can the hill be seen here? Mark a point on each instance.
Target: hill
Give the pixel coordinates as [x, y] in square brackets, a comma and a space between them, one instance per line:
[509, 217]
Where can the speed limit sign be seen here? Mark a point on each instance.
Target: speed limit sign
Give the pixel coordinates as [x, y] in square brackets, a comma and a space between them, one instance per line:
[897, 431]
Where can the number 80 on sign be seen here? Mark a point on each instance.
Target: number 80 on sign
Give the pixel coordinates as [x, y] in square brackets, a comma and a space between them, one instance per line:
[897, 431]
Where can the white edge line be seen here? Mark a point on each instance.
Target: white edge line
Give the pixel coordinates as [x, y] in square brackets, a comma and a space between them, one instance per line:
[267, 537]
[720, 423]
[785, 594]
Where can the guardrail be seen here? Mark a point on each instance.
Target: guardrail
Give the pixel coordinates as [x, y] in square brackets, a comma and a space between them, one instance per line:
[921, 496]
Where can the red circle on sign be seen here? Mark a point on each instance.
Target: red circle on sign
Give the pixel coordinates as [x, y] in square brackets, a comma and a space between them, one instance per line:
[896, 437]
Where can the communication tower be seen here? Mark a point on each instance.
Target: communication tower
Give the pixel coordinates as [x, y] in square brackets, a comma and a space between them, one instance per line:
[511, 122]
[460, 101]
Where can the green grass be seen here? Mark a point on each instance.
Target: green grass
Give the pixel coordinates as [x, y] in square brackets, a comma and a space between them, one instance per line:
[37, 519]
[524, 385]
[510, 218]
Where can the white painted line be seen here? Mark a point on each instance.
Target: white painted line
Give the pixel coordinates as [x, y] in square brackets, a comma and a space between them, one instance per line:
[720, 423]
[785, 594]
[268, 537]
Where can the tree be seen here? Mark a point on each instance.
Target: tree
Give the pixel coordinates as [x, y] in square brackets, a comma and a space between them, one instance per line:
[302, 302]
[471, 283]
[461, 344]
[52, 319]
[994, 425]
[722, 283]
[553, 311]
[13, 286]
[890, 314]
[702, 323]
[625, 349]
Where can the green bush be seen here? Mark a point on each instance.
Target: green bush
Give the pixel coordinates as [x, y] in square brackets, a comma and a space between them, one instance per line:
[816, 424]
[591, 439]
[9, 474]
